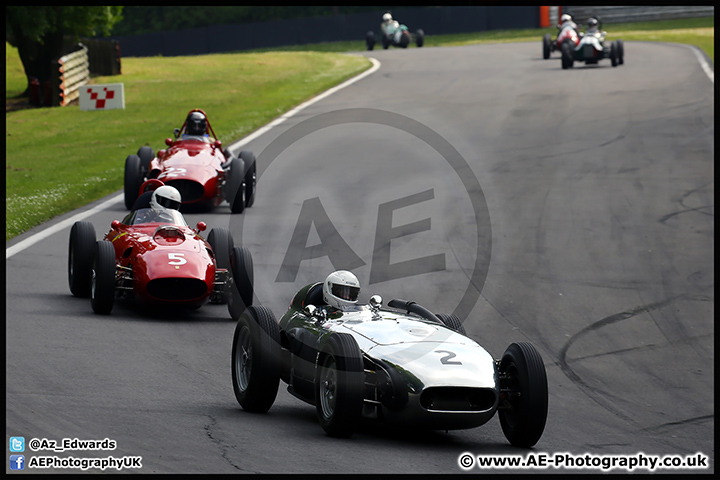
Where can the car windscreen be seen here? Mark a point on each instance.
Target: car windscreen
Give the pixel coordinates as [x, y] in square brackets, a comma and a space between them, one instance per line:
[148, 215]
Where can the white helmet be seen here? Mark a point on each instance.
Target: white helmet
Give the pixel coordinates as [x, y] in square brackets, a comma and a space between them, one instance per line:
[565, 18]
[164, 198]
[341, 289]
[387, 17]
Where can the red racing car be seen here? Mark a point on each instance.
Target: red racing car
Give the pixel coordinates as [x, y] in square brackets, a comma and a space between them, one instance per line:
[158, 258]
[196, 165]
[568, 32]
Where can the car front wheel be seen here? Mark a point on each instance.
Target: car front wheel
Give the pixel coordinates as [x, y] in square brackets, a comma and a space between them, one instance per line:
[523, 395]
[339, 385]
[82, 241]
[103, 277]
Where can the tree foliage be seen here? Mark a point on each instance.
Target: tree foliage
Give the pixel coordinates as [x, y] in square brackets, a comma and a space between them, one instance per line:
[40, 32]
[138, 19]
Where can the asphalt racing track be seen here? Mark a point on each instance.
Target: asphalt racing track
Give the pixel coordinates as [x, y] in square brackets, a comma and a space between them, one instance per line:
[573, 209]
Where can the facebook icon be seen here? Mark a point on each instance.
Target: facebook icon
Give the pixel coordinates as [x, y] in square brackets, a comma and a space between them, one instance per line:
[17, 462]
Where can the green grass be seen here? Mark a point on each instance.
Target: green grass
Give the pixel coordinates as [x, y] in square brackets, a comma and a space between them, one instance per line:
[59, 159]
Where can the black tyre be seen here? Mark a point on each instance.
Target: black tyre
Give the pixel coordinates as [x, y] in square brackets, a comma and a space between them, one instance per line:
[339, 385]
[243, 277]
[452, 321]
[613, 54]
[221, 241]
[620, 52]
[404, 39]
[370, 40]
[385, 42]
[103, 278]
[524, 398]
[133, 180]
[255, 359]
[567, 55]
[546, 46]
[420, 38]
[250, 178]
[234, 189]
[82, 241]
[146, 155]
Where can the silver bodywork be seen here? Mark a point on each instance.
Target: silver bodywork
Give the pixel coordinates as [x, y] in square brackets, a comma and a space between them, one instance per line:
[435, 364]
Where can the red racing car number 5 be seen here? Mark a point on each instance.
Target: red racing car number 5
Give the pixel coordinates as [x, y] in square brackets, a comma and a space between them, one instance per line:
[176, 259]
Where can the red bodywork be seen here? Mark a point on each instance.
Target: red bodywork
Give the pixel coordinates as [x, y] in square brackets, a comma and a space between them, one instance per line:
[192, 166]
[163, 263]
[567, 33]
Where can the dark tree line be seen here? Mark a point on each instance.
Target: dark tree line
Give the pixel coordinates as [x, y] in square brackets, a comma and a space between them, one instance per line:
[138, 20]
[41, 33]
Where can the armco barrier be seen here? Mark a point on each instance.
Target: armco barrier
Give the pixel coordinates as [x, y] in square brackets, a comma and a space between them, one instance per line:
[638, 13]
[73, 73]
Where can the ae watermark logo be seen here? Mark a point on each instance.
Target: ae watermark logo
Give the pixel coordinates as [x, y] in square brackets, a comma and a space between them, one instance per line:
[373, 192]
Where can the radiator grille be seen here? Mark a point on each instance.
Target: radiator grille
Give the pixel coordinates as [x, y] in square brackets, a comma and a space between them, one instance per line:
[458, 399]
[176, 289]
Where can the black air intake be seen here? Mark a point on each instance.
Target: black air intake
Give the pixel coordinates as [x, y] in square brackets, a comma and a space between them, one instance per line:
[457, 399]
[175, 289]
[189, 191]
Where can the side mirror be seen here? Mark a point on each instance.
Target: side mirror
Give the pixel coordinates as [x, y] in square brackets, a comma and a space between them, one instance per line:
[217, 144]
[318, 313]
[201, 226]
[176, 132]
[375, 301]
[115, 224]
[161, 153]
[169, 141]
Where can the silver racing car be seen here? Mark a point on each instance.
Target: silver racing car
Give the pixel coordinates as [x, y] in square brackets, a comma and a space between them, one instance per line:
[400, 365]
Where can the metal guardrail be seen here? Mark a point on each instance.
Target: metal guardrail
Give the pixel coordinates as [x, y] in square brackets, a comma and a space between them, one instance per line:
[622, 14]
[74, 72]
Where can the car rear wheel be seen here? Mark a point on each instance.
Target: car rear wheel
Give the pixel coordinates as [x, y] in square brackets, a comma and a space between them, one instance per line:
[523, 395]
[255, 352]
[221, 241]
[103, 278]
[133, 180]
[370, 40]
[620, 52]
[420, 38]
[567, 55]
[339, 385]
[82, 241]
[241, 267]
[146, 155]
[452, 321]
[546, 46]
